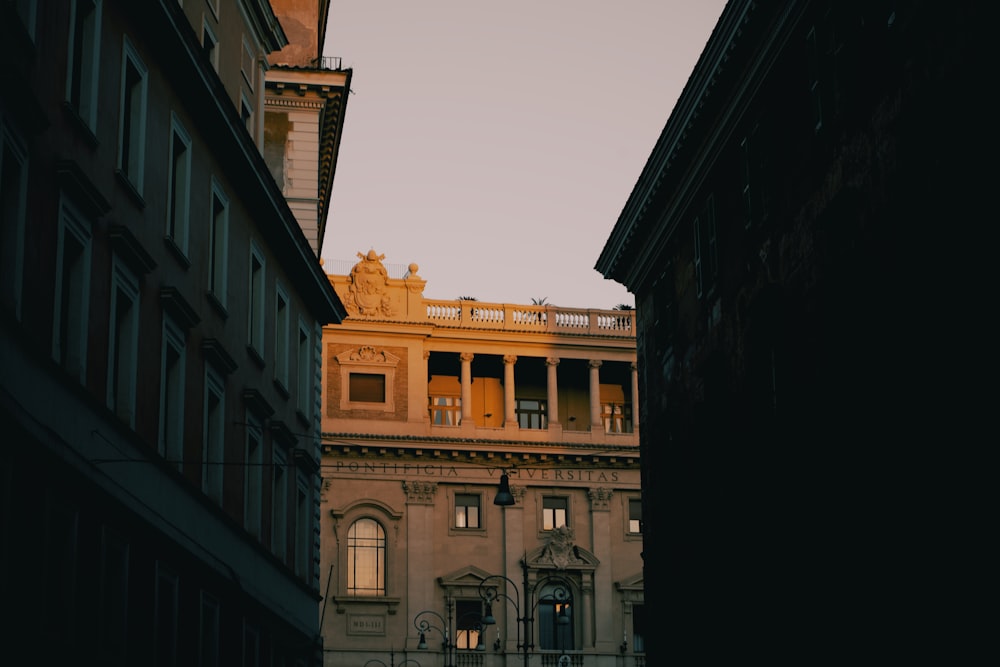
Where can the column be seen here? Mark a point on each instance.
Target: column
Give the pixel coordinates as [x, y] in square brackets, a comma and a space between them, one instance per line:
[509, 416]
[466, 358]
[635, 397]
[595, 396]
[420, 589]
[600, 596]
[553, 391]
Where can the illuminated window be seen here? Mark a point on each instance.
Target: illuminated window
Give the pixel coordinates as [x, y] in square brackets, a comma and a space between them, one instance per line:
[467, 510]
[446, 410]
[634, 515]
[553, 512]
[366, 558]
[468, 624]
[617, 417]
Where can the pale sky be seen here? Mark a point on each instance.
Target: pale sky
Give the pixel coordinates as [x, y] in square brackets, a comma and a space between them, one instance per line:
[494, 143]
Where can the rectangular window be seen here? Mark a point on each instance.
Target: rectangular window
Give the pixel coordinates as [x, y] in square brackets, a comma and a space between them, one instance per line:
[165, 621]
[305, 372]
[172, 394]
[617, 417]
[112, 618]
[635, 515]
[210, 45]
[638, 628]
[279, 505]
[84, 53]
[555, 623]
[215, 434]
[446, 410]
[247, 64]
[531, 413]
[123, 342]
[367, 387]
[218, 244]
[467, 626]
[132, 123]
[179, 173]
[208, 631]
[13, 215]
[466, 510]
[255, 325]
[246, 115]
[253, 491]
[553, 512]
[706, 262]
[73, 251]
[303, 535]
[281, 324]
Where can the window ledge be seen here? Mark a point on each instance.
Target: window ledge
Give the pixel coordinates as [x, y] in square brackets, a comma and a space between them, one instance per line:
[256, 357]
[130, 189]
[176, 251]
[282, 390]
[213, 300]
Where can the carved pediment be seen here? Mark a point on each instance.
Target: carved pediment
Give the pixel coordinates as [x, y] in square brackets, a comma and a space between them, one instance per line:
[561, 553]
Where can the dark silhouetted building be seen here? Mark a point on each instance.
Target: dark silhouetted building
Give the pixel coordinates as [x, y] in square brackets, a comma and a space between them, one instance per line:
[794, 244]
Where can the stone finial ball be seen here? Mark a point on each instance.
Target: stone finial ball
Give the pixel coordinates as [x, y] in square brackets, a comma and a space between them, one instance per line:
[413, 267]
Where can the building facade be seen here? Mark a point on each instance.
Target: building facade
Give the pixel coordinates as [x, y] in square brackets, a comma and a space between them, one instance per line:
[429, 409]
[779, 242]
[161, 311]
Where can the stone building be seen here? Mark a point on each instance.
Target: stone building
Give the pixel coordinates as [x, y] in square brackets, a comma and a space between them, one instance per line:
[161, 311]
[792, 245]
[430, 408]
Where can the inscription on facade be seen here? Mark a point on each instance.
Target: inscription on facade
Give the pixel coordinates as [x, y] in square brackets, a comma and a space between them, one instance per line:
[438, 470]
[365, 624]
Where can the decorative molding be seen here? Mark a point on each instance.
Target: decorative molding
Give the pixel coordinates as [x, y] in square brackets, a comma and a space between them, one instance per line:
[600, 499]
[421, 493]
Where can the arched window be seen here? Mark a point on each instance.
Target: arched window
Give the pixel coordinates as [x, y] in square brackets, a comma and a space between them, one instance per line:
[366, 558]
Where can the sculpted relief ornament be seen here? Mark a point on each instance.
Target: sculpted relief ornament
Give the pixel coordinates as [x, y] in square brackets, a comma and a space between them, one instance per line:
[368, 293]
[560, 551]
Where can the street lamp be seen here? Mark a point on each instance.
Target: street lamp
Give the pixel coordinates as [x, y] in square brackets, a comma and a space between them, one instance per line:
[424, 623]
[495, 587]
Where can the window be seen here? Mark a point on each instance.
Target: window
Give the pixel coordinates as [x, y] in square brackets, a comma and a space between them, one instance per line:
[467, 510]
[305, 372]
[172, 394]
[281, 324]
[69, 339]
[84, 52]
[367, 388]
[366, 558]
[279, 505]
[246, 115]
[214, 435]
[208, 633]
[209, 45]
[638, 628]
[112, 618]
[247, 64]
[253, 496]
[531, 413]
[256, 316]
[13, 193]
[468, 627]
[553, 512]
[303, 534]
[617, 417]
[635, 515]
[123, 342]
[446, 410]
[165, 622]
[555, 620]
[179, 172]
[132, 127]
[218, 245]
[706, 263]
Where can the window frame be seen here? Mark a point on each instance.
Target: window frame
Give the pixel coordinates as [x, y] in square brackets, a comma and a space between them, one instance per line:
[218, 246]
[460, 502]
[13, 215]
[541, 415]
[83, 100]
[132, 120]
[123, 355]
[279, 504]
[371, 361]
[305, 377]
[253, 477]
[282, 332]
[76, 304]
[172, 394]
[213, 435]
[380, 555]
[257, 301]
[552, 503]
[178, 217]
[207, 32]
[303, 525]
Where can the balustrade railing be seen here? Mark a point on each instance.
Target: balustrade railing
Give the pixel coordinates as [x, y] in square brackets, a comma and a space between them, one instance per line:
[550, 319]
